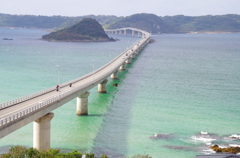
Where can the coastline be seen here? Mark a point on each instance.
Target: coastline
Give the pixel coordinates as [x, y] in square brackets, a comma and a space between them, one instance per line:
[210, 32]
[191, 32]
[33, 28]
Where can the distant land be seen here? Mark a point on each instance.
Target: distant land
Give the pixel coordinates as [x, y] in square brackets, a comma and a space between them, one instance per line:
[148, 22]
[87, 30]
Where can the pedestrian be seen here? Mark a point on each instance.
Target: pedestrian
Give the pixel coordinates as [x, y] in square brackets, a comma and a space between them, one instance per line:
[57, 87]
[70, 85]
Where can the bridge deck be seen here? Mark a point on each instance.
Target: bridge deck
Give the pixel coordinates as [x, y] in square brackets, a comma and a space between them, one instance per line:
[10, 115]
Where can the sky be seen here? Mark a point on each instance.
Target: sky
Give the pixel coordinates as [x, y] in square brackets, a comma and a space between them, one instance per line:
[119, 7]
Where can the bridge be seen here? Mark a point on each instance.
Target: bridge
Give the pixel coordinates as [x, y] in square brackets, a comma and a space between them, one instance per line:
[37, 107]
[123, 31]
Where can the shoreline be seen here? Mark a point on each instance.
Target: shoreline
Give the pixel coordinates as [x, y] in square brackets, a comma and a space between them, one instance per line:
[191, 32]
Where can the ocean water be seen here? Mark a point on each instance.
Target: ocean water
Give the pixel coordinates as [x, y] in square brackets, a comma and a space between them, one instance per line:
[176, 87]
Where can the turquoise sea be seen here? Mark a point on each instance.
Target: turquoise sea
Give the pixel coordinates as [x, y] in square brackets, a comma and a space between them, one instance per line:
[176, 87]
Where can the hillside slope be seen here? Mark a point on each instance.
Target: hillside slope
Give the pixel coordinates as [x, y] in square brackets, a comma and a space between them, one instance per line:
[209, 23]
[148, 22]
[87, 30]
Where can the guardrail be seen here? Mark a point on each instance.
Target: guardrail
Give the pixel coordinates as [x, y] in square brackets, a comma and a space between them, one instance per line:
[141, 43]
[38, 106]
[30, 96]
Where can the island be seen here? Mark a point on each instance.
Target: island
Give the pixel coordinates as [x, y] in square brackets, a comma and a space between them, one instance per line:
[87, 30]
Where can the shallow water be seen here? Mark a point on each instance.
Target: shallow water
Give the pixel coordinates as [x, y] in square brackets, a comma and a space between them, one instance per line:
[179, 85]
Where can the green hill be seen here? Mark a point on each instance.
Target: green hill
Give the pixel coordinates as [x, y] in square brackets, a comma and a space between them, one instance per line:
[87, 30]
[104, 20]
[148, 22]
[209, 23]
[31, 21]
[50, 22]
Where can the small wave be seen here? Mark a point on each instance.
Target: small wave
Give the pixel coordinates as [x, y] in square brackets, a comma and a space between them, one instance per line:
[204, 132]
[161, 136]
[234, 137]
[204, 139]
[234, 145]
[207, 151]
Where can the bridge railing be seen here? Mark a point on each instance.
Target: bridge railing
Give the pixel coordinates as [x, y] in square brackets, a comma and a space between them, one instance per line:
[24, 98]
[33, 95]
[40, 105]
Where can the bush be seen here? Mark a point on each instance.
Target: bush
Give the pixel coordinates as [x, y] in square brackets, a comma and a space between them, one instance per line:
[74, 154]
[141, 156]
[91, 155]
[15, 152]
[31, 152]
[23, 152]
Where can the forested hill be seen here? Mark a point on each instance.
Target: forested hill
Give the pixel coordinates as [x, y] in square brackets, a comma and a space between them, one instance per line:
[50, 22]
[209, 23]
[31, 21]
[87, 30]
[148, 22]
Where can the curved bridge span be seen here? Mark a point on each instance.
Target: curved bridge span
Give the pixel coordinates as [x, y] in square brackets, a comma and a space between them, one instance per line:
[123, 31]
[37, 107]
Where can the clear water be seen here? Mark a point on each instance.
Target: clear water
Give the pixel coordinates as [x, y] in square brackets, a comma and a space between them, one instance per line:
[178, 86]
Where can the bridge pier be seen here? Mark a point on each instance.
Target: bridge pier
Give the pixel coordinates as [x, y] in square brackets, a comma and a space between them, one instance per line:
[133, 56]
[129, 60]
[42, 129]
[132, 33]
[114, 75]
[102, 86]
[82, 104]
[122, 67]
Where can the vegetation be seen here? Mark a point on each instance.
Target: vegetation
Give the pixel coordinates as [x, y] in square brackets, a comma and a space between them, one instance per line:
[141, 156]
[102, 19]
[86, 30]
[31, 21]
[149, 22]
[209, 23]
[233, 150]
[23, 152]
[50, 22]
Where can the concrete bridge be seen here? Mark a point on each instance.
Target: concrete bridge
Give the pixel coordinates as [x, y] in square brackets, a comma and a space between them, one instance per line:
[37, 107]
[123, 31]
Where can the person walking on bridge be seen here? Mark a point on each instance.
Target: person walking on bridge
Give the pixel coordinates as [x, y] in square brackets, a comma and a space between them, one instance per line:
[57, 87]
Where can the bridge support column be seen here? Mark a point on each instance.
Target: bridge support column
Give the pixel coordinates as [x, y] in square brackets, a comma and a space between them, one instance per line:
[125, 32]
[114, 75]
[102, 86]
[42, 130]
[128, 61]
[122, 67]
[138, 33]
[133, 56]
[132, 33]
[82, 104]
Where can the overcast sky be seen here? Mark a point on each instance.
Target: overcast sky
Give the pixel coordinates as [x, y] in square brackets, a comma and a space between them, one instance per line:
[119, 7]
